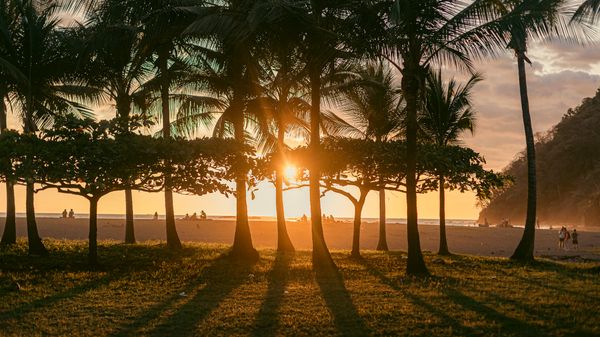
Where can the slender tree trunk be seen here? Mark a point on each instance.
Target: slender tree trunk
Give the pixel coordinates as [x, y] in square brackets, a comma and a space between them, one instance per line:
[284, 244]
[358, 207]
[410, 85]
[129, 229]
[382, 244]
[524, 251]
[443, 242]
[321, 255]
[36, 247]
[93, 235]
[242, 241]
[173, 241]
[9, 236]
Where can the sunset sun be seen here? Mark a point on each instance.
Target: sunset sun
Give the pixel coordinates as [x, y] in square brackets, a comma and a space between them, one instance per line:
[290, 172]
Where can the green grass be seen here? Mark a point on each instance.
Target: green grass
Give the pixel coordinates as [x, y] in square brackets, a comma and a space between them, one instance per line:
[138, 293]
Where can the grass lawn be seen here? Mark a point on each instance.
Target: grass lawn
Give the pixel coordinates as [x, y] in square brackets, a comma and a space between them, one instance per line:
[145, 290]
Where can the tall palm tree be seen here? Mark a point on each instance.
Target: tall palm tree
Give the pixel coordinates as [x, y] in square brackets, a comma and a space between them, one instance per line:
[373, 103]
[9, 73]
[113, 60]
[523, 21]
[446, 114]
[421, 34]
[43, 53]
[226, 26]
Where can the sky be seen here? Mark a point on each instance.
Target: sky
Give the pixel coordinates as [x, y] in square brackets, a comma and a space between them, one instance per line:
[560, 76]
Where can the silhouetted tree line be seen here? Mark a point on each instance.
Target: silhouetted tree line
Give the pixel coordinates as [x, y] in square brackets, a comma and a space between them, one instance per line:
[260, 71]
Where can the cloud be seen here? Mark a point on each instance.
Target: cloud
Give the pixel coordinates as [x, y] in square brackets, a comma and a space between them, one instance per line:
[499, 135]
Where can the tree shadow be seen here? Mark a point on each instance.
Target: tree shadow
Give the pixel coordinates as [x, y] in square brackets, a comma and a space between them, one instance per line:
[456, 325]
[346, 318]
[507, 323]
[55, 298]
[267, 321]
[215, 283]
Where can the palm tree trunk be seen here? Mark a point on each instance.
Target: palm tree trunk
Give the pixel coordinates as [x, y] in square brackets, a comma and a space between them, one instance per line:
[36, 247]
[172, 236]
[410, 85]
[382, 244]
[443, 242]
[129, 229]
[93, 234]
[321, 255]
[284, 244]
[358, 207]
[242, 241]
[524, 251]
[9, 236]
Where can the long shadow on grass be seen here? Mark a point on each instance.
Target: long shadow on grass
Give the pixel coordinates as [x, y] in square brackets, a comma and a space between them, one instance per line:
[267, 321]
[456, 325]
[217, 281]
[52, 299]
[508, 324]
[346, 318]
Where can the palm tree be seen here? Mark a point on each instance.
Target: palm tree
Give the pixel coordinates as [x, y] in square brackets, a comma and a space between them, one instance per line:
[446, 114]
[373, 103]
[524, 20]
[421, 34]
[227, 28]
[113, 61]
[9, 73]
[43, 54]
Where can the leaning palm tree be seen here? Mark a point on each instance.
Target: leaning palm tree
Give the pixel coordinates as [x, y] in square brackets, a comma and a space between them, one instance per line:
[43, 54]
[446, 114]
[374, 105]
[523, 21]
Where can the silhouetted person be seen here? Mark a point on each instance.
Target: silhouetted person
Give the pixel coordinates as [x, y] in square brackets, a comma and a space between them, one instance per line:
[561, 237]
[155, 216]
[71, 214]
[194, 216]
[575, 237]
[186, 217]
[304, 218]
[64, 214]
[202, 215]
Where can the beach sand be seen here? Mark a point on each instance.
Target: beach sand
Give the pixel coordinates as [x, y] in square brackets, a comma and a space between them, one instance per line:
[462, 240]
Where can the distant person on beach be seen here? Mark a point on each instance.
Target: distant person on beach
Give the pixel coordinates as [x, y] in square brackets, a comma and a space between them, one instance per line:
[194, 216]
[202, 215]
[561, 237]
[155, 216]
[304, 218]
[186, 217]
[567, 238]
[575, 237]
[71, 214]
[64, 214]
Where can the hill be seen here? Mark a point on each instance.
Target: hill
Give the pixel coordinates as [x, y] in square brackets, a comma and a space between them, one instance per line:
[568, 170]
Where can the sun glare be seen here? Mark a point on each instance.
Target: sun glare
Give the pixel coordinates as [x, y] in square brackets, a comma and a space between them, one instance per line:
[290, 172]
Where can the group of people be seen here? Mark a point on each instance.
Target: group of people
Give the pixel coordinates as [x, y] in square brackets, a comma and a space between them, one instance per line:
[70, 215]
[564, 236]
[326, 219]
[195, 216]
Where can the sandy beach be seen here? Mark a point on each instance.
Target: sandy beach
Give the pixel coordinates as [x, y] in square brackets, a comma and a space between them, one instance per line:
[463, 240]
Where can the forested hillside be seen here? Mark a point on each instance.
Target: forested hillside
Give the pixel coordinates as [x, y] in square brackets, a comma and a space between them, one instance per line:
[568, 169]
